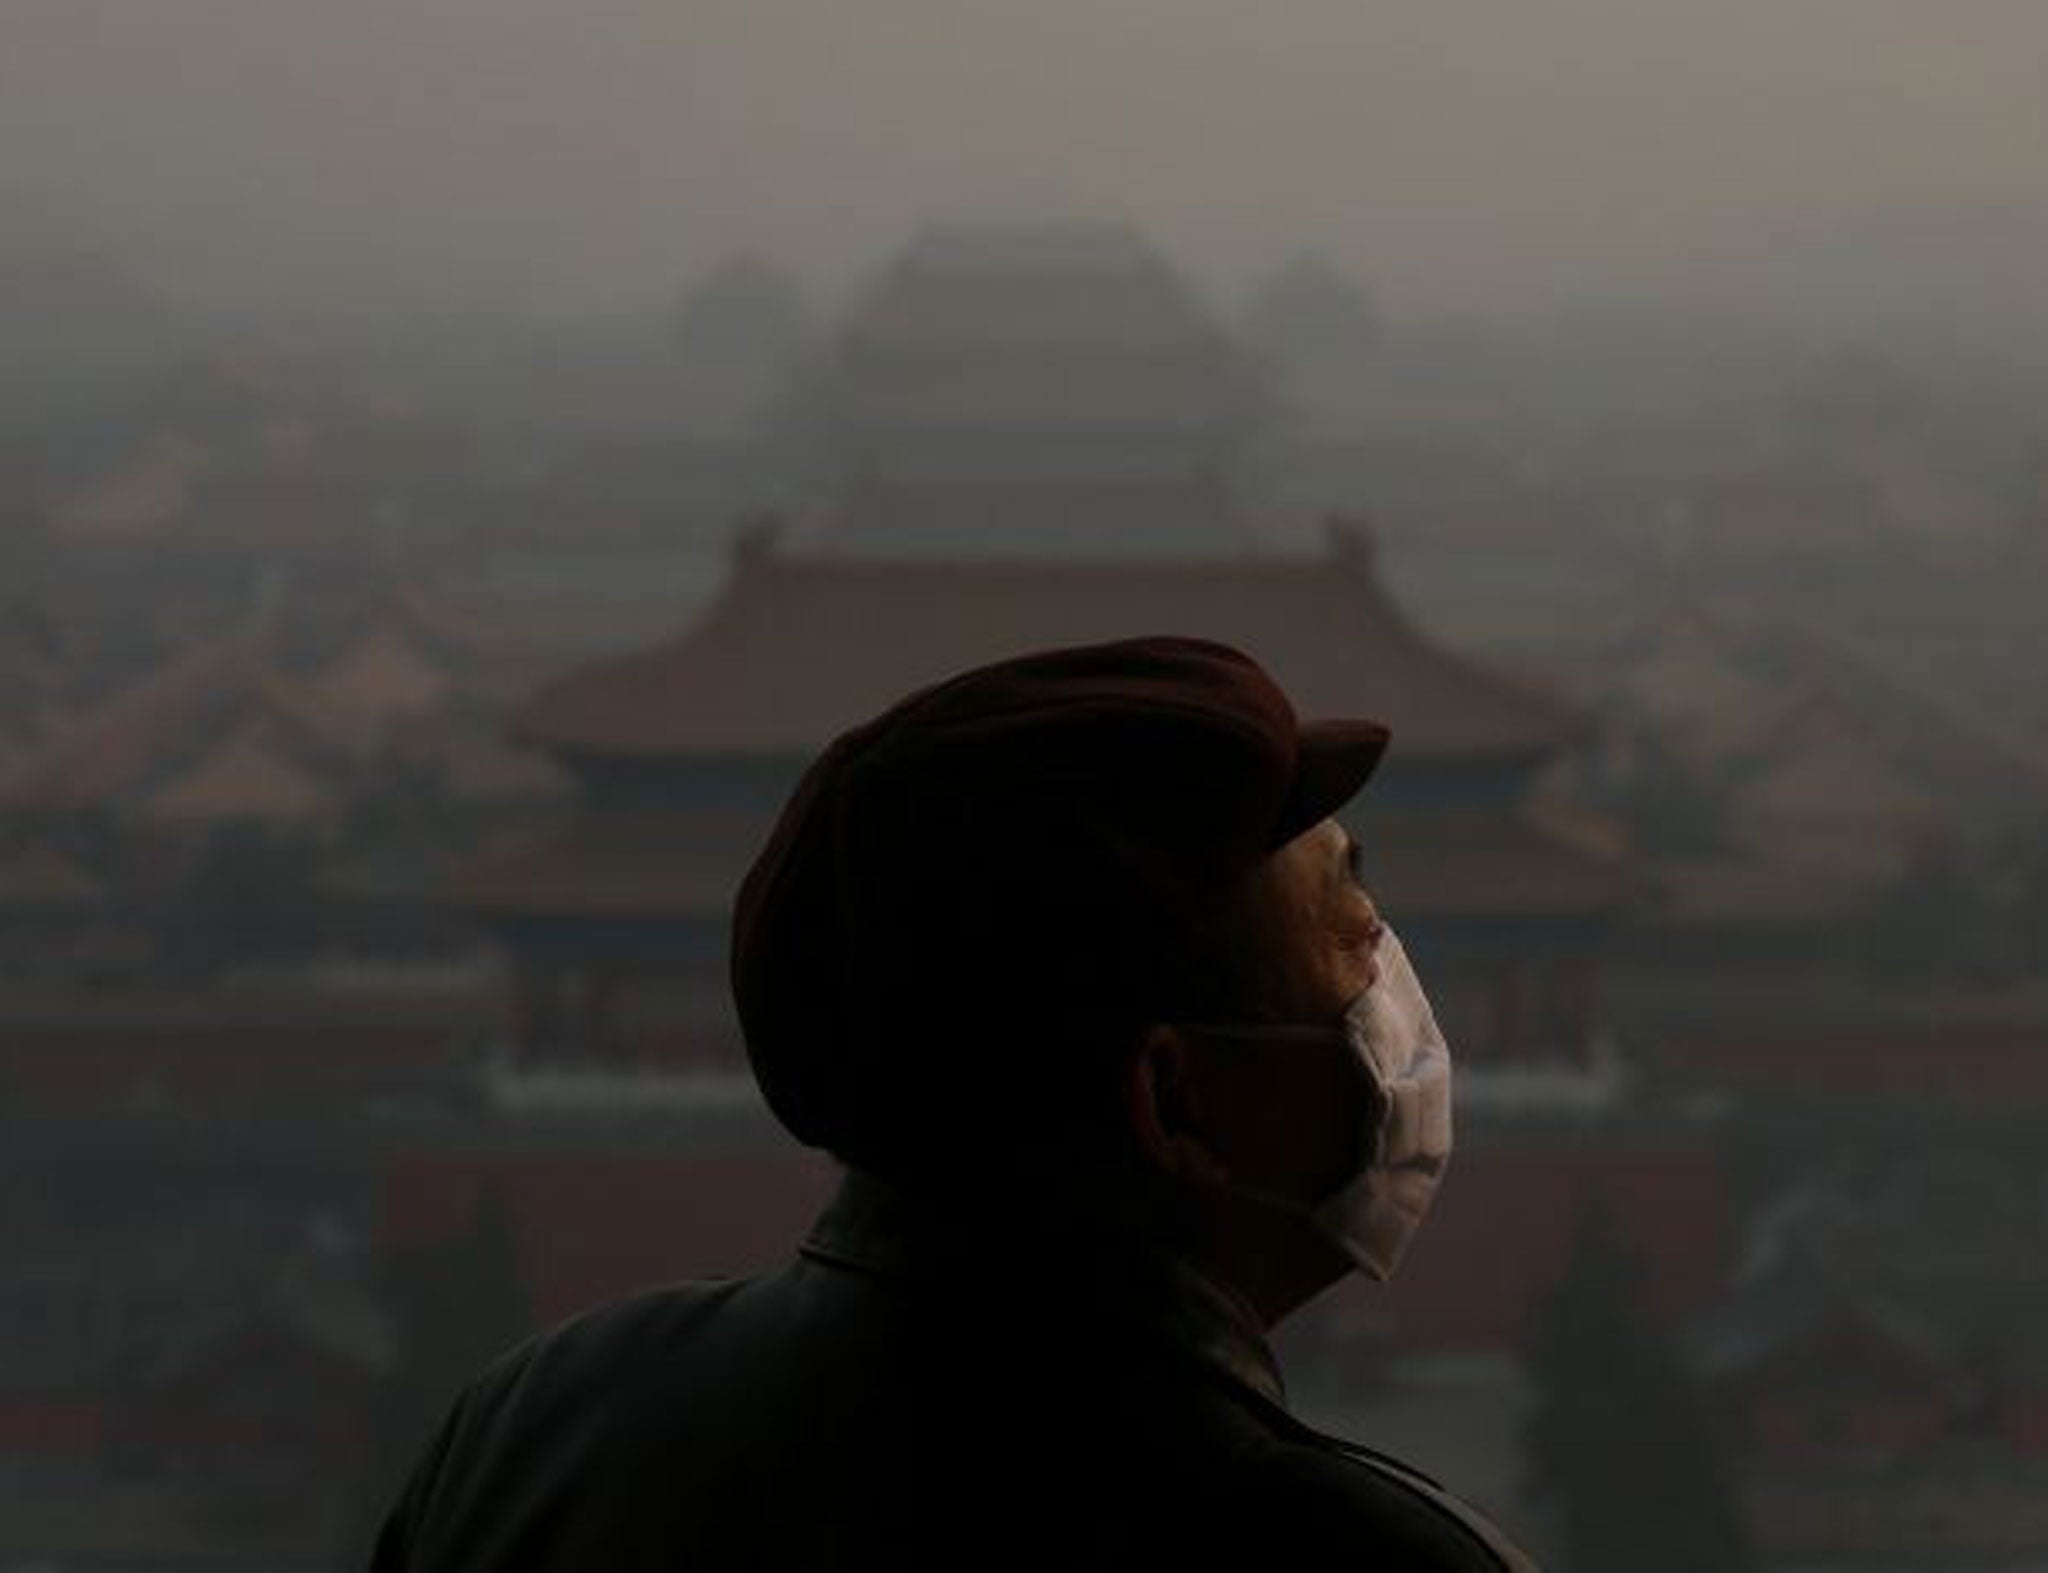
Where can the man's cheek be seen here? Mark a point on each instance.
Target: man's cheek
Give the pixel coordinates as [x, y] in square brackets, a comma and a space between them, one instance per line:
[1256, 1118]
[1304, 1129]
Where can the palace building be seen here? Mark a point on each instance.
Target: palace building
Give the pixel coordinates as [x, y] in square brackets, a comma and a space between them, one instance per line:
[1034, 440]
[1030, 439]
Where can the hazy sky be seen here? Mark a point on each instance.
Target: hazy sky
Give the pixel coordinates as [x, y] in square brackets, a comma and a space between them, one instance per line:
[1491, 152]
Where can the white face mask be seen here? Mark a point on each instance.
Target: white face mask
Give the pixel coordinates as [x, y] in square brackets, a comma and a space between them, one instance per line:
[1393, 1033]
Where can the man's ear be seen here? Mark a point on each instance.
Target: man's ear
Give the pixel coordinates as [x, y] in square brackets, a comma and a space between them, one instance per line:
[1167, 1113]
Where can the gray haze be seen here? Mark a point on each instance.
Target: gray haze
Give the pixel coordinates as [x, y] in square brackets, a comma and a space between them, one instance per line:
[1886, 155]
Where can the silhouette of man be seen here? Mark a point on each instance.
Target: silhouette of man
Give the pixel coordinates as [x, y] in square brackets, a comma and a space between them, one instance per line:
[1067, 963]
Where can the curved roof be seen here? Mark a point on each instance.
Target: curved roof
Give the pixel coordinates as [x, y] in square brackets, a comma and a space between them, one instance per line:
[798, 649]
[248, 776]
[114, 745]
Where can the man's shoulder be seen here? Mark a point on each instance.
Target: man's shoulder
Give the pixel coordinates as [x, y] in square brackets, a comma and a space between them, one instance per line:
[654, 1312]
[616, 1329]
[1335, 1492]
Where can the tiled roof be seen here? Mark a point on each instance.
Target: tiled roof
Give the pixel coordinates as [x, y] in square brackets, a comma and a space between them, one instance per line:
[798, 649]
[381, 676]
[247, 776]
[228, 721]
[114, 746]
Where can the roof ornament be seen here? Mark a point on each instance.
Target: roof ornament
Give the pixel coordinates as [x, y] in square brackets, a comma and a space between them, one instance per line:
[754, 538]
[1353, 541]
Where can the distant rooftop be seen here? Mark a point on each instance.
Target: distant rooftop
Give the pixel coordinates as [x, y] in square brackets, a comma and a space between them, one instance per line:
[1050, 386]
[799, 648]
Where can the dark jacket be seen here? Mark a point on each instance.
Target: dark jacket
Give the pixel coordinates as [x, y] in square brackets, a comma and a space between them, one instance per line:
[920, 1388]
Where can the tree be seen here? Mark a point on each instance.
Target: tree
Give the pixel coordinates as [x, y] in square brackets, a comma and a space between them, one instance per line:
[1621, 1440]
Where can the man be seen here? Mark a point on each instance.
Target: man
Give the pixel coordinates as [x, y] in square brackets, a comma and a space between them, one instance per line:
[1067, 962]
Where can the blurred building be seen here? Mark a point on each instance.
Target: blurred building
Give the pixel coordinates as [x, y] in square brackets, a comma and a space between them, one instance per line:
[1015, 439]
[684, 753]
[345, 748]
[987, 415]
[1876, 1355]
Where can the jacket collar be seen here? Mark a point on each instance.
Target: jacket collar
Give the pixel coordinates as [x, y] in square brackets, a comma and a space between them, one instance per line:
[874, 1225]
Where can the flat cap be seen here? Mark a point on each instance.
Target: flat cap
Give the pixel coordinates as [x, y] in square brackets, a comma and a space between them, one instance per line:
[1004, 872]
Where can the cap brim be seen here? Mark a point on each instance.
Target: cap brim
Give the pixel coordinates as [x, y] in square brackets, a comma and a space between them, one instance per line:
[1333, 759]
